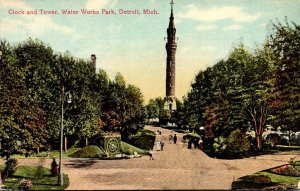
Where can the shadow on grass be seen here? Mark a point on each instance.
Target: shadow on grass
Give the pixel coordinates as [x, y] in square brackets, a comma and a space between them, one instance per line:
[79, 163]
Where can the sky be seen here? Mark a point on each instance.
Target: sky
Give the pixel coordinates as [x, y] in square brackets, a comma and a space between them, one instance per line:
[134, 44]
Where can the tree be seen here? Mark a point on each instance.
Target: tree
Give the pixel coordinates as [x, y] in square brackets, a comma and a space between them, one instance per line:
[284, 43]
[152, 109]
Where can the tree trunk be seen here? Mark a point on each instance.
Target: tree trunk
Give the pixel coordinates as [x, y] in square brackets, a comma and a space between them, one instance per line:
[38, 150]
[66, 143]
[259, 142]
[86, 141]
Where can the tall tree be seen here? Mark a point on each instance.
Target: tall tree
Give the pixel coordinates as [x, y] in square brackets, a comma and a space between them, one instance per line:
[285, 44]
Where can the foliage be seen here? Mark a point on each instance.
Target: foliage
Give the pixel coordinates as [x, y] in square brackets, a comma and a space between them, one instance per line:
[152, 109]
[273, 138]
[10, 166]
[144, 132]
[284, 44]
[293, 161]
[248, 90]
[25, 184]
[262, 179]
[33, 83]
[237, 144]
[219, 145]
[46, 182]
[90, 151]
[143, 139]
[130, 149]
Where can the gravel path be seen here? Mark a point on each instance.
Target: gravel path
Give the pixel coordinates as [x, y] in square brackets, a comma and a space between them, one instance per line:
[174, 168]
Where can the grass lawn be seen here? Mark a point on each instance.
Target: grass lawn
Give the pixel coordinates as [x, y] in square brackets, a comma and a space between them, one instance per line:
[247, 182]
[52, 154]
[287, 147]
[130, 149]
[41, 178]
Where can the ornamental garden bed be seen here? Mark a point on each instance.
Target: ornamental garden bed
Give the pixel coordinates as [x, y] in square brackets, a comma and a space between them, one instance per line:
[278, 178]
[33, 178]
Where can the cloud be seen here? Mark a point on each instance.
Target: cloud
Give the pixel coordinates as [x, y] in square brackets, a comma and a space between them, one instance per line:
[233, 27]
[153, 1]
[100, 4]
[206, 27]
[218, 13]
[113, 27]
[33, 24]
[19, 4]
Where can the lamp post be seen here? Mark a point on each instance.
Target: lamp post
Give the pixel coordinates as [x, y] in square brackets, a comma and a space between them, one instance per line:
[69, 100]
[201, 137]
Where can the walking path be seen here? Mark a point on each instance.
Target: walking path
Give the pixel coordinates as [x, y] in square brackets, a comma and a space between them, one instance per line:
[176, 167]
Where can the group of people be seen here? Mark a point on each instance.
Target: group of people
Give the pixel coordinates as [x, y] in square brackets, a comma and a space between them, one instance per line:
[173, 139]
[160, 144]
[198, 143]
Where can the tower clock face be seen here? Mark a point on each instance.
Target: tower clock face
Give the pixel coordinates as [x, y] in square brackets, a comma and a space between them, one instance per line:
[113, 145]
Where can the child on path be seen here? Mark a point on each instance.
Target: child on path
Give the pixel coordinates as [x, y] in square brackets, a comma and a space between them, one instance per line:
[150, 154]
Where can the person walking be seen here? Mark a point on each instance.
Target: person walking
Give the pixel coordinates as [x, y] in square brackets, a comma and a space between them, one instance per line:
[175, 138]
[151, 154]
[158, 145]
[170, 139]
[162, 145]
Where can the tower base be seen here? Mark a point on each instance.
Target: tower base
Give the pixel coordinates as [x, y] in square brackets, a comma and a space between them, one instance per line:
[170, 103]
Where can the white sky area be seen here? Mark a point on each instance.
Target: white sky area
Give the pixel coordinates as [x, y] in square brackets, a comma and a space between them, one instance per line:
[134, 45]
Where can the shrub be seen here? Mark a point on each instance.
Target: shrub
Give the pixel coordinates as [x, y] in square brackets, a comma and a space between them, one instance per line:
[237, 143]
[25, 184]
[262, 179]
[293, 162]
[90, 151]
[219, 145]
[274, 139]
[129, 149]
[10, 167]
[143, 139]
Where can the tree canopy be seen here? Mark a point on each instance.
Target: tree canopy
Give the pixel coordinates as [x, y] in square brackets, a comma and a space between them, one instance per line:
[33, 83]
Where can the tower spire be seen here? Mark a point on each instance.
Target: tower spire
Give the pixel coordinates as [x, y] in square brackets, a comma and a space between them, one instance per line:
[172, 3]
[171, 45]
[171, 23]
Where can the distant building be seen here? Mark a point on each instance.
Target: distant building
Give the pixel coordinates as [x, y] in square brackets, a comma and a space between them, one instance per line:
[93, 59]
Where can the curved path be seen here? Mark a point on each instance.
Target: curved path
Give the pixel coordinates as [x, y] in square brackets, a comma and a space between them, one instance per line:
[174, 168]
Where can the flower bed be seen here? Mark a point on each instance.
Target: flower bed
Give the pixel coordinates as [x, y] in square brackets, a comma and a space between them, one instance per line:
[287, 170]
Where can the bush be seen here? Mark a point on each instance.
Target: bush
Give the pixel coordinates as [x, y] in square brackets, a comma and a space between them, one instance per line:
[219, 146]
[237, 144]
[274, 139]
[10, 167]
[143, 139]
[25, 184]
[90, 151]
[262, 179]
[129, 149]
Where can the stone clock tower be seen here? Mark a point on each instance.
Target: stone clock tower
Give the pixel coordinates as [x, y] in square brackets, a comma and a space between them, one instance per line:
[171, 45]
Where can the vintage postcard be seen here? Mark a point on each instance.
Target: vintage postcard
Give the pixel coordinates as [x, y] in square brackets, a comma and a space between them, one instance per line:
[149, 94]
